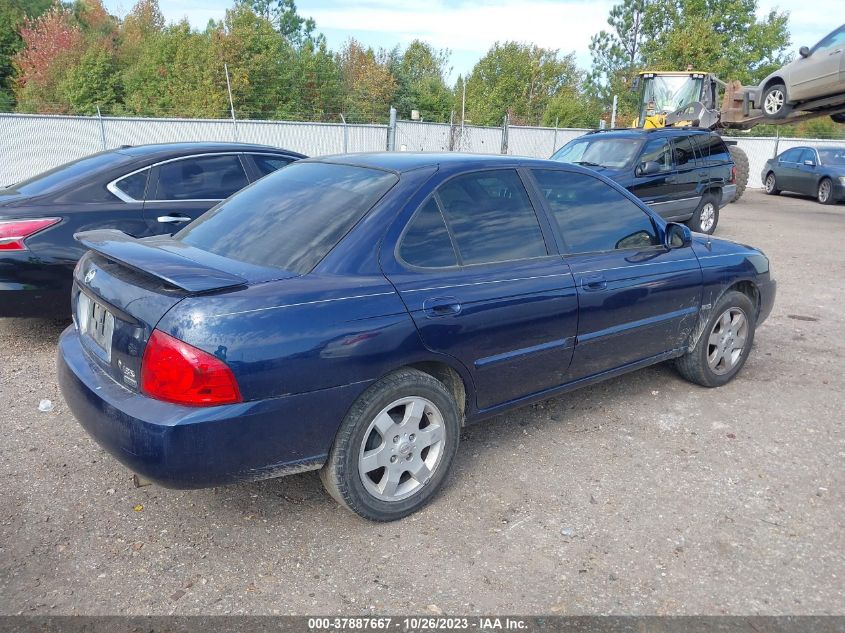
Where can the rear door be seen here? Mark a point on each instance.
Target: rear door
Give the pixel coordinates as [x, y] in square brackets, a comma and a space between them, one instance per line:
[479, 274]
[637, 299]
[786, 170]
[657, 190]
[182, 189]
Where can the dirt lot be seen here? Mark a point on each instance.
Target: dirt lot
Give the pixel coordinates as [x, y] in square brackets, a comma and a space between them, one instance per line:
[641, 495]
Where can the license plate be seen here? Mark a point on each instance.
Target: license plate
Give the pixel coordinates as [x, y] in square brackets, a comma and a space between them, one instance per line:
[95, 322]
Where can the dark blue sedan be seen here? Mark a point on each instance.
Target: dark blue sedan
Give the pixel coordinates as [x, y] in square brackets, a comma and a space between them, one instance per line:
[142, 190]
[818, 172]
[351, 313]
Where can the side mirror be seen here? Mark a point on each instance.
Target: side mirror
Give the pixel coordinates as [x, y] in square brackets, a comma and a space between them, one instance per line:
[677, 235]
[810, 163]
[649, 168]
[804, 51]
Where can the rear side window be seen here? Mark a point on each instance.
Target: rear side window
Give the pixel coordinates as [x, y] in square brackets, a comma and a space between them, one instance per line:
[683, 152]
[201, 178]
[291, 218]
[491, 217]
[592, 216]
[657, 150]
[712, 149]
[134, 185]
[268, 164]
[426, 242]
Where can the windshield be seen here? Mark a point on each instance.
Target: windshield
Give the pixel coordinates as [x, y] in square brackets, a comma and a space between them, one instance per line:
[832, 156]
[42, 183]
[667, 94]
[291, 218]
[599, 152]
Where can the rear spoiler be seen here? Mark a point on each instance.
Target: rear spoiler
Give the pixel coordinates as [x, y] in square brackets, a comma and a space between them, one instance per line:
[151, 258]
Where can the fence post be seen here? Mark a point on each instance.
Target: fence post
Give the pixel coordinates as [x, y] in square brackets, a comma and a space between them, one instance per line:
[613, 112]
[231, 102]
[505, 122]
[391, 131]
[777, 141]
[345, 134]
[102, 129]
[554, 138]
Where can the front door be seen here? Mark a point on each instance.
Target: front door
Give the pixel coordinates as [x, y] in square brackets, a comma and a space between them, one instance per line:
[819, 74]
[656, 189]
[637, 299]
[480, 277]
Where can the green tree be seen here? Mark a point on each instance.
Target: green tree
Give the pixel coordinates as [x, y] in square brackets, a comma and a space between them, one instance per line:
[420, 73]
[368, 84]
[517, 79]
[13, 13]
[93, 82]
[285, 18]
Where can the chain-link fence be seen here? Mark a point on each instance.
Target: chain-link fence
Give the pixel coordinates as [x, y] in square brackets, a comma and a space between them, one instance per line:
[31, 144]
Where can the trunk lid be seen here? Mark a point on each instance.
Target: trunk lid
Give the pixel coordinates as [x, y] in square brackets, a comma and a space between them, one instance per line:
[123, 286]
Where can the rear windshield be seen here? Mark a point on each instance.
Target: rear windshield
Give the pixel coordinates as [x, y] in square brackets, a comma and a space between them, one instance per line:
[291, 218]
[63, 174]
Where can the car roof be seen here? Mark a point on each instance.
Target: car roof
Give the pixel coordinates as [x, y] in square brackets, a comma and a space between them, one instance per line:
[181, 149]
[408, 161]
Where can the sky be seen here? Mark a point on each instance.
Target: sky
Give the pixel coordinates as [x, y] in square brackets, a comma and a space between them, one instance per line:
[468, 28]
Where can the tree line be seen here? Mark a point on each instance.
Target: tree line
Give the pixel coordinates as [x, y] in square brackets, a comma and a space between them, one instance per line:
[74, 57]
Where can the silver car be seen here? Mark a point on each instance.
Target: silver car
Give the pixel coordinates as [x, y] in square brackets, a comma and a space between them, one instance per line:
[817, 73]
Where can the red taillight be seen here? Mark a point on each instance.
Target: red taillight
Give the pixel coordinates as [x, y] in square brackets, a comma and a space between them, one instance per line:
[733, 174]
[14, 232]
[174, 371]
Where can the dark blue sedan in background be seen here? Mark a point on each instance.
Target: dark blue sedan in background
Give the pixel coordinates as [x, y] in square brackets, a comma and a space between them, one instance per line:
[817, 172]
[142, 190]
[351, 313]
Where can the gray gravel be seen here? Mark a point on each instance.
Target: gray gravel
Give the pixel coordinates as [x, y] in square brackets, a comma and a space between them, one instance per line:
[643, 495]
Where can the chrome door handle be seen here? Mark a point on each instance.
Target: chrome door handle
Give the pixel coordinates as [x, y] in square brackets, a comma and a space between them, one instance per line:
[173, 219]
[836, 52]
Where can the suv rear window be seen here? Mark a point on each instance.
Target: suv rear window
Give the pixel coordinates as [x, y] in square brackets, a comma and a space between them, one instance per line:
[291, 218]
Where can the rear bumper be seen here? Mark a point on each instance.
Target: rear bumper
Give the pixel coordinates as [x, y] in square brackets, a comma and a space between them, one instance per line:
[198, 447]
[37, 289]
[728, 195]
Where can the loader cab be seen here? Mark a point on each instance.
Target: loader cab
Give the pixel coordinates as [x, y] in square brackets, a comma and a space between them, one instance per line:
[662, 93]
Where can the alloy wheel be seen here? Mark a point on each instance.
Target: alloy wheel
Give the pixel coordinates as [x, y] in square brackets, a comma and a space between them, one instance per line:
[402, 448]
[824, 191]
[707, 217]
[774, 102]
[770, 183]
[727, 341]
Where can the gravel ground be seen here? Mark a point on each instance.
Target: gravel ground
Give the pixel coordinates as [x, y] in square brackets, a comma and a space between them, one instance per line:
[642, 495]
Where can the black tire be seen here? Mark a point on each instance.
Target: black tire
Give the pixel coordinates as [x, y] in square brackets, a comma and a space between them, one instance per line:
[340, 474]
[774, 103]
[770, 184]
[740, 159]
[824, 193]
[708, 207]
[838, 118]
[694, 365]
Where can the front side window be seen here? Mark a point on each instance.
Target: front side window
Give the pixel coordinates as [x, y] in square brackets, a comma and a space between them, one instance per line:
[291, 218]
[426, 241]
[808, 154]
[592, 216]
[837, 38]
[657, 151]
[201, 178]
[491, 217]
[134, 185]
